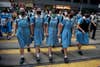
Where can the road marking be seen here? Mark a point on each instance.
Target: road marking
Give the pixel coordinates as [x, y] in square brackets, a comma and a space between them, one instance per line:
[90, 63]
[74, 48]
[8, 41]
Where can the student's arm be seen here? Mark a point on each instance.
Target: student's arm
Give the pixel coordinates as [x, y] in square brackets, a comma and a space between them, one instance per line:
[15, 25]
[46, 26]
[60, 27]
[46, 29]
[93, 23]
[32, 26]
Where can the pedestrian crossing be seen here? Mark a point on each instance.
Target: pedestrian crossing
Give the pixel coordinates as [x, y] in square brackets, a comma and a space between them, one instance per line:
[90, 63]
[13, 56]
[9, 53]
[45, 50]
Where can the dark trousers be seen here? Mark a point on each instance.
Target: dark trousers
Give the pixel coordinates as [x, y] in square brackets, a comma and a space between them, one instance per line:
[0, 34]
[93, 31]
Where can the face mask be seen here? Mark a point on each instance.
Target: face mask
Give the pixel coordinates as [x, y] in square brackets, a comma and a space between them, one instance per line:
[53, 15]
[39, 12]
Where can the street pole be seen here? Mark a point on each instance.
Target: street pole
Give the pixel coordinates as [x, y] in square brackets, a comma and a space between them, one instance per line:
[81, 5]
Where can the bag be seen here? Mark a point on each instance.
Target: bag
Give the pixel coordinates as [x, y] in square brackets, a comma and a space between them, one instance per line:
[84, 25]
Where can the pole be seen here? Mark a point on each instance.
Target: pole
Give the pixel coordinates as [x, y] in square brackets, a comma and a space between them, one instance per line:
[81, 5]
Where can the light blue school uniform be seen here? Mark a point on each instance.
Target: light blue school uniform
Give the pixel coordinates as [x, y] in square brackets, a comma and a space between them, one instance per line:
[80, 37]
[3, 21]
[52, 38]
[38, 22]
[66, 32]
[78, 16]
[9, 23]
[23, 31]
[60, 17]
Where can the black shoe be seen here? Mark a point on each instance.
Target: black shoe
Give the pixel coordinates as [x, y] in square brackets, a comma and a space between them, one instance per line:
[80, 52]
[38, 59]
[66, 60]
[51, 59]
[22, 60]
[0, 58]
[28, 49]
[8, 37]
[93, 38]
[62, 51]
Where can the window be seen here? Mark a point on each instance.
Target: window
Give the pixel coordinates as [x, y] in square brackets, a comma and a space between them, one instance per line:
[96, 2]
[77, 1]
[85, 1]
[64, 0]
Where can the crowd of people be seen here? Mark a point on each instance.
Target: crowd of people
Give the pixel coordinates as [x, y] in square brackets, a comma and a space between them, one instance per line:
[37, 24]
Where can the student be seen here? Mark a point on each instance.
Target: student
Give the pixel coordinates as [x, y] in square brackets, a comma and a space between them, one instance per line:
[9, 28]
[3, 21]
[37, 28]
[0, 28]
[65, 31]
[51, 33]
[93, 25]
[82, 31]
[22, 31]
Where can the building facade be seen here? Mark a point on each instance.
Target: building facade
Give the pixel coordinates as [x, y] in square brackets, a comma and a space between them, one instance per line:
[69, 4]
[62, 4]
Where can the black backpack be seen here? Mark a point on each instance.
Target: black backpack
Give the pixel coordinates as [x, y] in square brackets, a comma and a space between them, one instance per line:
[84, 25]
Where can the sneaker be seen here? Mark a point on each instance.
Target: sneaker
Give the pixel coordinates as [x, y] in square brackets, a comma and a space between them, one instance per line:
[66, 60]
[51, 59]
[38, 59]
[22, 60]
[8, 37]
[28, 49]
[80, 52]
[0, 58]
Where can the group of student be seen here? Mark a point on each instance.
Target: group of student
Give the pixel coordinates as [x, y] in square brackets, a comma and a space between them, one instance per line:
[37, 24]
[5, 23]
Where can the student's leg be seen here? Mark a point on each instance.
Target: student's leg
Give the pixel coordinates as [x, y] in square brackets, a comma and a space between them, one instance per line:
[50, 54]
[28, 48]
[65, 55]
[79, 49]
[0, 33]
[22, 59]
[37, 49]
[93, 34]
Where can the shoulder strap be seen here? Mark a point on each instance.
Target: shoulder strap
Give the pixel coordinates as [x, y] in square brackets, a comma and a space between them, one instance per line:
[49, 18]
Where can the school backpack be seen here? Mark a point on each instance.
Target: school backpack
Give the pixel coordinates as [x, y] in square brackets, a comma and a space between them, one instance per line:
[84, 25]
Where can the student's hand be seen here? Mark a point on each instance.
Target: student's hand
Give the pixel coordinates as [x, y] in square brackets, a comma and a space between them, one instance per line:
[83, 32]
[13, 35]
[95, 25]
